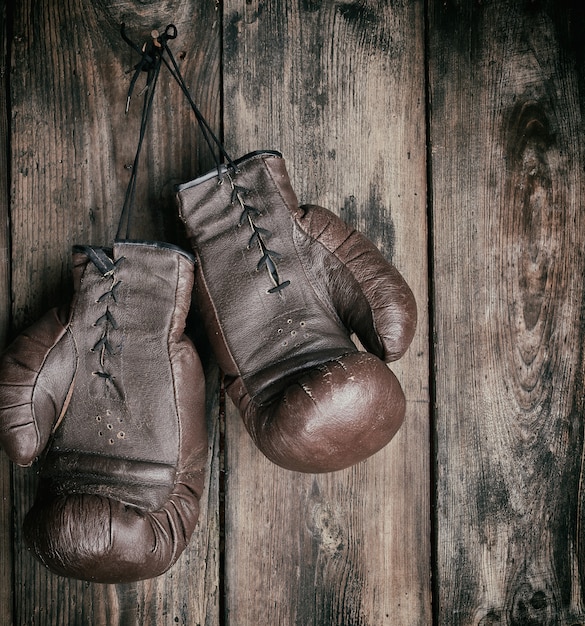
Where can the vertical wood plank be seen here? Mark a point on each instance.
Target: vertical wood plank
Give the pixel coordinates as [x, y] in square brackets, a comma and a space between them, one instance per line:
[5, 311]
[4, 179]
[506, 83]
[71, 151]
[339, 89]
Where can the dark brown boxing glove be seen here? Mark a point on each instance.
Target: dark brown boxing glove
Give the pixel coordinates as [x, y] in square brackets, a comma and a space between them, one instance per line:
[281, 288]
[111, 393]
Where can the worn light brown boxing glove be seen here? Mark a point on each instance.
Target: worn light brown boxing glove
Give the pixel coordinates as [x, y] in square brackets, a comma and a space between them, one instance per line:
[281, 288]
[110, 394]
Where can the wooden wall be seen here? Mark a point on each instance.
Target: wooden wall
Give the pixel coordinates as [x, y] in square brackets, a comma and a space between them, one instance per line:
[506, 147]
[451, 134]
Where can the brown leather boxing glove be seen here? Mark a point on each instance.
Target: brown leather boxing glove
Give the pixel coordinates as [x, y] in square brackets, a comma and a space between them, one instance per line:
[281, 288]
[111, 393]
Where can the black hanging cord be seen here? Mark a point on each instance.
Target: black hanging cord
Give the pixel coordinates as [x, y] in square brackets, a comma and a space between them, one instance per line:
[208, 134]
[151, 58]
[150, 62]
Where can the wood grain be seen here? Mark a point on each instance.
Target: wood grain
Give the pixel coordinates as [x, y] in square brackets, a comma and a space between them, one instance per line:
[71, 147]
[339, 89]
[5, 312]
[507, 180]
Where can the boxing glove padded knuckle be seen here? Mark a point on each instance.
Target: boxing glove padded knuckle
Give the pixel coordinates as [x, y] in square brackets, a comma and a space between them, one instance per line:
[331, 416]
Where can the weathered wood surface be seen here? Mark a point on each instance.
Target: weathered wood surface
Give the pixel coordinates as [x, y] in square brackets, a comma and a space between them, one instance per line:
[338, 88]
[71, 148]
[5, 299]
[506, 131]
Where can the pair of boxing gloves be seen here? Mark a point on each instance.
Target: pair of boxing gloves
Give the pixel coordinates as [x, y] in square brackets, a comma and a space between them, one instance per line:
[108, 391]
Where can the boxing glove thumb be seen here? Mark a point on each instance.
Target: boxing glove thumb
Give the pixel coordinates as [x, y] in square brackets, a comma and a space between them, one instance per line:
[369, 293]
[36, 378]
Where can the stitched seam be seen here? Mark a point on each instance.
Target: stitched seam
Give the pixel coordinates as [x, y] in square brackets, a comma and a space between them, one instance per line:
[100, 455]
[172, 326]
[218, 325]
[36, 383]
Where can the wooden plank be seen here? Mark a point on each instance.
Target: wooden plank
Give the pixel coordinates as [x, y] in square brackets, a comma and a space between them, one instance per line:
[5, 311]
[507, 143]
[71, 148]
[339, 89]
